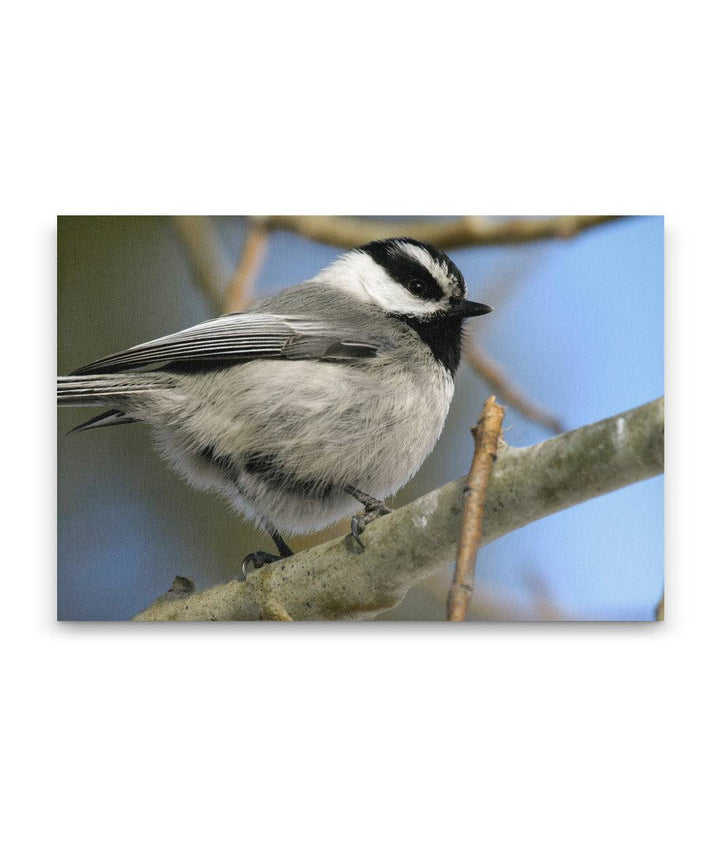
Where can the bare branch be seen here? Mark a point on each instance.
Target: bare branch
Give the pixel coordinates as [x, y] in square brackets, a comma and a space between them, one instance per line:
[447, 233]
[491, 371]
[486, 434]
[241, 287]
[206, 257]
[331, 581]
[489, 604]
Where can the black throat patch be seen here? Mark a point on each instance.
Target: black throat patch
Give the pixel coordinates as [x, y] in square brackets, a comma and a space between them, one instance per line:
[442, 335]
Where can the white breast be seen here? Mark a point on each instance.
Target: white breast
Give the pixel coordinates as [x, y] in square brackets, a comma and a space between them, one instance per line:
[369, 426]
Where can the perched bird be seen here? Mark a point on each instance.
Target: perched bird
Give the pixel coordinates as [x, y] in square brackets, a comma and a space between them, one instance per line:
[328, 394]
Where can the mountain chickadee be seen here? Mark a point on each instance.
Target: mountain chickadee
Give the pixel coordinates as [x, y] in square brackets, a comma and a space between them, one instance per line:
[329, 393]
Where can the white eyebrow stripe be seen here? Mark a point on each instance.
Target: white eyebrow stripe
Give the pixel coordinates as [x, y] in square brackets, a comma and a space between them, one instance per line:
[439, 271]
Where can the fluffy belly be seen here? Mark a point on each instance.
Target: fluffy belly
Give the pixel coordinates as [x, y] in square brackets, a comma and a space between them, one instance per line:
[287, 458]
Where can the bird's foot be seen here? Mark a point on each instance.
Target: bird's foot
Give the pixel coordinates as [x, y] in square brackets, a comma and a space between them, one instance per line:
[373, 510]
[255, 561]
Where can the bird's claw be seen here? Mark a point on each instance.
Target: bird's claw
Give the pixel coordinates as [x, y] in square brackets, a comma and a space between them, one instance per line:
[360, 521]
[357, 527]
[255, 561]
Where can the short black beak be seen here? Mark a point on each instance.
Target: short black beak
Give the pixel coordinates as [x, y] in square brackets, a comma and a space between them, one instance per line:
[468, 309]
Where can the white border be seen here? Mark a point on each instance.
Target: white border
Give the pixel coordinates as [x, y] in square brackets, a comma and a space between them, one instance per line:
[420, 739]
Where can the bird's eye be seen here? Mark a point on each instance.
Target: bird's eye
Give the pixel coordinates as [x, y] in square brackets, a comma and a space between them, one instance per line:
[425, 288]
[417, 287]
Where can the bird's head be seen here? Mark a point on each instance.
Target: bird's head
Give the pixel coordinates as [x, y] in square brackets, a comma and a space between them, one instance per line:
[405, 278]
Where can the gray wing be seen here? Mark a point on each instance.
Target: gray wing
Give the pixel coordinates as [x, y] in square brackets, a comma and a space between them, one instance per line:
[240, 337]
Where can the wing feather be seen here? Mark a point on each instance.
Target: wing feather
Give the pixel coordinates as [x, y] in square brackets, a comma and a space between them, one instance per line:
[240, 337]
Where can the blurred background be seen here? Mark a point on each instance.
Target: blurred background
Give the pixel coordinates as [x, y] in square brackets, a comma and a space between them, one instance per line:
[576, 336]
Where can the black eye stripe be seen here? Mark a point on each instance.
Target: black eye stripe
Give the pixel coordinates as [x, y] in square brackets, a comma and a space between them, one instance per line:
[389, 255]
[404, 270]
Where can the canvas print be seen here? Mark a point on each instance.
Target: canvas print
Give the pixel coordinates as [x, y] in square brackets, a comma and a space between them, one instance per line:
[330, 418]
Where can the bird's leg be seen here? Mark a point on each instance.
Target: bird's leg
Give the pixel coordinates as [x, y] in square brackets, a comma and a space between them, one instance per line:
[260, 557]
[374, 508]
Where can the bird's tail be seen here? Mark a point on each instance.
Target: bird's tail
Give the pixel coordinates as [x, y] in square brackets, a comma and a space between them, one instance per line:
[91, 390]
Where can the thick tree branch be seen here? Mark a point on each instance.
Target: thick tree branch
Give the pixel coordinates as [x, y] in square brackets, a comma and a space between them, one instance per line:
[333, 582]
[451, 233]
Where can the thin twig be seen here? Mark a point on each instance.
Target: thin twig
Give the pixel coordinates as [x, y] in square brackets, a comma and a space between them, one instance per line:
[446, 233]
[492, 372]
[205, 254]
[487, 435]
[488, 603]
[240, 291]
